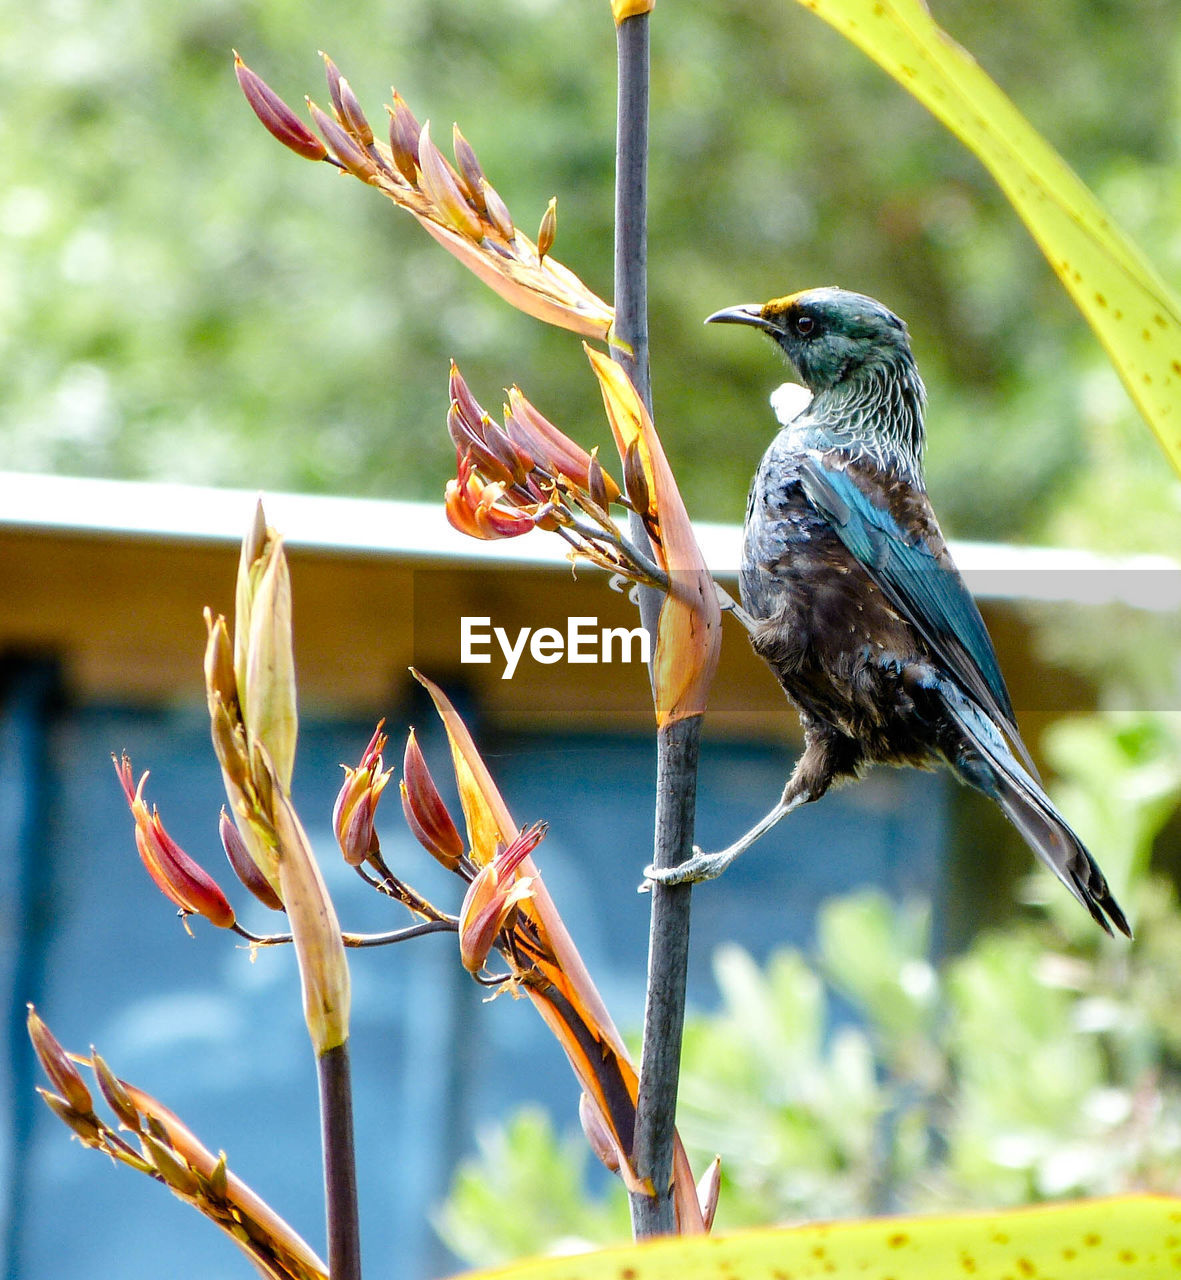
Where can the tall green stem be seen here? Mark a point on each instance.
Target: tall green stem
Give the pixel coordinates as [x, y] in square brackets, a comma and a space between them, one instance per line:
[677, 744]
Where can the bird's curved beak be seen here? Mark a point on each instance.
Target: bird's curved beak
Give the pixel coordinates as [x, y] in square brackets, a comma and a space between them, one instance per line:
[747, 313]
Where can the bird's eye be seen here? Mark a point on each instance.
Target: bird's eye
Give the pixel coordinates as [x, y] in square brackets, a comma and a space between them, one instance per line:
[804, 325]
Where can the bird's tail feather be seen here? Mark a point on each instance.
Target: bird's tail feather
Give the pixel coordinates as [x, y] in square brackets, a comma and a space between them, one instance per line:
[1001, 775]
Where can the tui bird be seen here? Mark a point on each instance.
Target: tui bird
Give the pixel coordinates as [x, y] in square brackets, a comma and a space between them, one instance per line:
[853, 598]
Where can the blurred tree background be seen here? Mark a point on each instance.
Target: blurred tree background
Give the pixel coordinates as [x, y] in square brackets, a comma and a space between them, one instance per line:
[180, 298]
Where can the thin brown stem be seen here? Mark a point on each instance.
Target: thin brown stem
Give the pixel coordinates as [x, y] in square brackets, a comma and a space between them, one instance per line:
[449, 925]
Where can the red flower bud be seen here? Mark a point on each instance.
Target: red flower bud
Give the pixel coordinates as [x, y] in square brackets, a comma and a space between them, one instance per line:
[277, 117]
[176, 875]
[492, 898]
[357, 161]
[471, 507]
[404, 133]
[245, 867]
[56, 1064]
[426, 814]
[356, 803]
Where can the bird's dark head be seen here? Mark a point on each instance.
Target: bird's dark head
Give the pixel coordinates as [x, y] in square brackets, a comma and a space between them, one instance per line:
[829, 335]
[854, 355]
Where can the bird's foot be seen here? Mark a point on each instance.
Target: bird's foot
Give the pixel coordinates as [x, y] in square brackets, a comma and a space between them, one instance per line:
[701, 866]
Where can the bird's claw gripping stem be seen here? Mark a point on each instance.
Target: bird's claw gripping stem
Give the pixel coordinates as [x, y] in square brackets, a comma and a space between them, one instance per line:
[701, 866]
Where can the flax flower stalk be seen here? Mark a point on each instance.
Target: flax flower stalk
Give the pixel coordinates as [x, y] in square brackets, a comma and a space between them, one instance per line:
[250, 685]
[545, 966]
[159, 1145]
[455, 204]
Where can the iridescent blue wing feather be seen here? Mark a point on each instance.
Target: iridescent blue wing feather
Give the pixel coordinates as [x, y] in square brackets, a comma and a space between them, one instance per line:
[921, 583]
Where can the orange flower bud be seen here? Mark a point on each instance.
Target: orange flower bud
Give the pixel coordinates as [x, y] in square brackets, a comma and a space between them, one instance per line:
[492, 898]
[426, 814]
[176, 875]
[276, 116]
[356, 802]
[548, 229]
[56, 1064]
[471, 507]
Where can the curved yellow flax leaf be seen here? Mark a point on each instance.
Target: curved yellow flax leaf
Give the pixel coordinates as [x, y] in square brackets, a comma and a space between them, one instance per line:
[1134, 1236]
[1134, 313]
[689, 634]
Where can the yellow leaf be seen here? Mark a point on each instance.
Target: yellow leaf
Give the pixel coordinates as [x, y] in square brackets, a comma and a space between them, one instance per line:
[1135, 315]
[1133, 1236]
[689, 632]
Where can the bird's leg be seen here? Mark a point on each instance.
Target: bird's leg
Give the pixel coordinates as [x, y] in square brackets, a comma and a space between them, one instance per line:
[708, 866]
[827, 755]
[728, 604]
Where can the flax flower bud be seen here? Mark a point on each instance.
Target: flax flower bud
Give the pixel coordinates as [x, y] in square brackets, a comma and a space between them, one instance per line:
[356, 802]
[471, 506]
[497, 212]
[358, 162]
[176, 875]
[469, 168]
[115, 1092]
[709, 1185]
[440, 185]
[602, 1141]
[404, 134]
[245, 867]
[548, 229]
[492, 898]
[426, 814]
[263, 659]
[56, 1064]
[276, 116]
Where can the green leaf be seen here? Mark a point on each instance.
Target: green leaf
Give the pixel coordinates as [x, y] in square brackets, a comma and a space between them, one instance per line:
[1135, 315]
[1134, 1236]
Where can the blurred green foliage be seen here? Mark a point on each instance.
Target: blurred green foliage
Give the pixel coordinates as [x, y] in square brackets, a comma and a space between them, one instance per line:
[1043, 1062]
[179, 297]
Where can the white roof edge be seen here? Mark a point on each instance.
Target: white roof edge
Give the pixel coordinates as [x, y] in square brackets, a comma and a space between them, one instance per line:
[419, 531]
